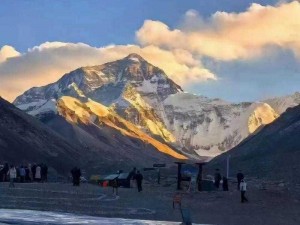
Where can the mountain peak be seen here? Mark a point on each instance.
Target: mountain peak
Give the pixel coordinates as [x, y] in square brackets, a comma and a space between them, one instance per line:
[135, 57]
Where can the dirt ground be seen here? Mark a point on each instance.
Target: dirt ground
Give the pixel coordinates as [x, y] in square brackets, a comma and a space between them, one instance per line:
[266, 207]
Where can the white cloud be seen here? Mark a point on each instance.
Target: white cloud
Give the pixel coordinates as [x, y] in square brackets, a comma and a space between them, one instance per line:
[230, 36]
[223, 36]
[7, 52]
[47, 62]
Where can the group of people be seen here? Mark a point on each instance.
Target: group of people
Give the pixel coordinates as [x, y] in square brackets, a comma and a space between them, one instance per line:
[135, 179]
[135, 176]
[242, 185]
[29, 173]
[218, 179]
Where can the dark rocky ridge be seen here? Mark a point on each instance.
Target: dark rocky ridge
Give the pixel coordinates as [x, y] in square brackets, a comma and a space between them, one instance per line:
[24, 139]
[62, 145]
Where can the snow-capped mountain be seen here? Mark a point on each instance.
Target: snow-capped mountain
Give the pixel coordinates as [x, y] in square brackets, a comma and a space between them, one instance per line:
[105, 83]
[280, 104]
[130, 85]
[212, 126]
[143, 94]
[272, 153]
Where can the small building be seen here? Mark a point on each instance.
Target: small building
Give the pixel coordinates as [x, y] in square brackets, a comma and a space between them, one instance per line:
[123, 179]
[95, 179]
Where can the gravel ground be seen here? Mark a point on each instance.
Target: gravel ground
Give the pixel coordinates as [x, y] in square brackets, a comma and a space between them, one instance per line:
[265, 207]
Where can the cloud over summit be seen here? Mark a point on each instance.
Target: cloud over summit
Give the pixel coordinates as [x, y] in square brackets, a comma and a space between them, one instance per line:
[230, 36]
[47, 62]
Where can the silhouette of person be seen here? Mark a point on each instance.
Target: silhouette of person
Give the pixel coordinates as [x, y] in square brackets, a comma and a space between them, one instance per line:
[139, 179]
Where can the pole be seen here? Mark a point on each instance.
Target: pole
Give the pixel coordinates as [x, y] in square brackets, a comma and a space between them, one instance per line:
[227, 166]
[179, 177]
[158, 176]
[199, 177]
[179, 164]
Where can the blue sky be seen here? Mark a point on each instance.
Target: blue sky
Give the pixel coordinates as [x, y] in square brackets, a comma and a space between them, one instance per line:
[25, 24]
[98, 23]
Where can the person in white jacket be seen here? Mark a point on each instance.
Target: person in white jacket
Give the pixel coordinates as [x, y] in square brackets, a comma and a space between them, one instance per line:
[12, 175]
[243, 189]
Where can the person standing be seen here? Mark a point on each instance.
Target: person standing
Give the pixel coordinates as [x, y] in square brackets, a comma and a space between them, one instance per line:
[115, 186]
[239, 177]
[38, 173]
[76, 174]
[131, 177]
[5, 172]
[33, 170]
[217, 178]
[22, 174]
[139, 179]
[12, 173]
[27, 176]
[225, 184]
[73, 173]
[243, 188]
[44, 171]
[1, 174]
[30, 172]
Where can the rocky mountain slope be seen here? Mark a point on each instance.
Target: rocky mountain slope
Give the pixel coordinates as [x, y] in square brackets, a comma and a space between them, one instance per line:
[24, 139]
[86, 135]
[143, 94]
[273, 153]
[93, 114]
[281, 104]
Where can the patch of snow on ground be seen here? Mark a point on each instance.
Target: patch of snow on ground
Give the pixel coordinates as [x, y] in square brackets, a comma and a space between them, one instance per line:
[16, 216]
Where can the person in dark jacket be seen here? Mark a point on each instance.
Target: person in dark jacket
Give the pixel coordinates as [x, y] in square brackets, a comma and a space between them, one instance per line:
[139, 179]
[1, 174]
[217, 178]
[22, 173]
[76, 174]
[4, 172]
[44, 172]
[131, 177]
[225, 184]
[239, 177]
[115, 186]
[27, 174]
[33, 170]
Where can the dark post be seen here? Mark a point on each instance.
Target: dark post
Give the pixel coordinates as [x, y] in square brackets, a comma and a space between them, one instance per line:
[158, 176]
[200, 173]
[179, 175]
[158, 166]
